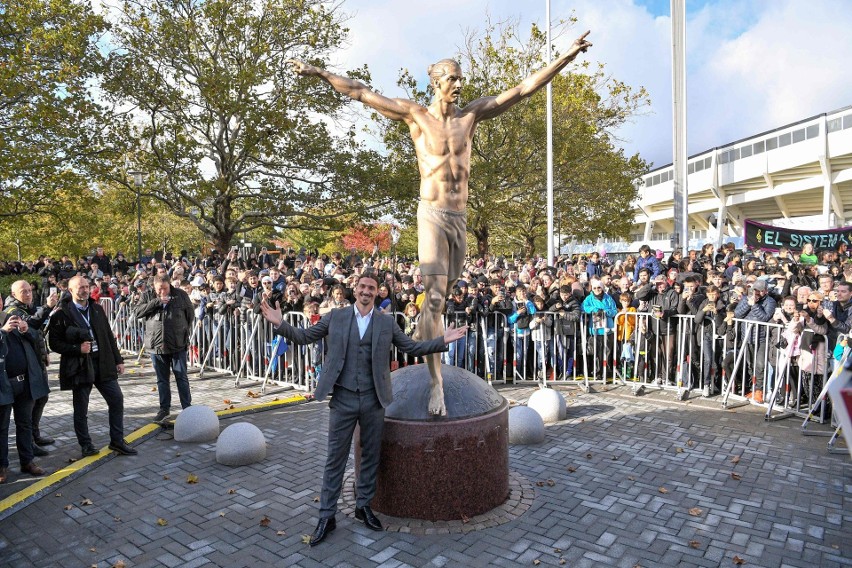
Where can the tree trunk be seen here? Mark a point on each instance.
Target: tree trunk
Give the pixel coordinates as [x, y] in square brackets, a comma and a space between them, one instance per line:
[529, 246]
[481, 234]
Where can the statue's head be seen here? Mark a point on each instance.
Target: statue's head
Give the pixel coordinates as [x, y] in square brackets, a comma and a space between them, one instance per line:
[445, 76]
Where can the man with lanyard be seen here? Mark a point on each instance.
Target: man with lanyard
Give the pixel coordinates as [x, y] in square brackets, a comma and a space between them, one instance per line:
[79, 331]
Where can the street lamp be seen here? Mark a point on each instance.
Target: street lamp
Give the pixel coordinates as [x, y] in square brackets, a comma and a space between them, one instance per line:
[395, 234]
[138, 178]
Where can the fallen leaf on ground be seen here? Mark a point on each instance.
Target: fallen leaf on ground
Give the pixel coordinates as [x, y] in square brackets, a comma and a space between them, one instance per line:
[231, 491]
[280, 533]
[119, 564]
[735, 459]
[572, 469]
[465, 519]
[316, 499]
[165, 477]
[557, 550]
[536, 562]
[72, 460]
[93, 549]
[614, 458]
[264, 522]
[58, 495]
[192, 478]
[177, 454]
[231, 407]
[86, 502]
[695, 511]
[690, 443]
[561, 561]
[162, 522]
[227, 401]
[117, 519]
[663, 490]
[153, 389]
[736, 476]
[539, 483]
[221, 513]
[306, 539]
[588, 456]
[631, 478]
[550, 483]
[738, 561]
[694, 543]
[679, 450]
[252, 394]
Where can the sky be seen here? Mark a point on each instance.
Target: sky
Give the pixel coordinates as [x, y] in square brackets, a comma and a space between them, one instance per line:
[752, 65]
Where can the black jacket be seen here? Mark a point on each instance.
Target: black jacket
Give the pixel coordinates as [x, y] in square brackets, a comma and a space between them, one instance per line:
[167, 329]
[67, 331]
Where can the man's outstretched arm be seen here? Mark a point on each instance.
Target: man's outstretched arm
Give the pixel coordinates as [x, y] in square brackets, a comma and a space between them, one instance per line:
[489, 107]
[394, 109]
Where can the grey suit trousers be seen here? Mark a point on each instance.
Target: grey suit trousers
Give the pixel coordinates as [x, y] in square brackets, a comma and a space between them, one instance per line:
[349, 408]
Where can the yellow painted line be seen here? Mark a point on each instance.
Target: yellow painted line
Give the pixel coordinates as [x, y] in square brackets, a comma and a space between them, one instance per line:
[262, 406]
[69, 470]
[77, 466]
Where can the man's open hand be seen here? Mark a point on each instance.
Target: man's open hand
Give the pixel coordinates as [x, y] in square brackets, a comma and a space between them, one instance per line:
[453, 333]
[272, 315]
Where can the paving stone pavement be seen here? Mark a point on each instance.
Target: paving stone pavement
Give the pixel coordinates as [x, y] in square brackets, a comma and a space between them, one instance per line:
[624, 481]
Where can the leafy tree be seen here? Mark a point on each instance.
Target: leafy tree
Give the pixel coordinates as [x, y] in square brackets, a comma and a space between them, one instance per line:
[231, 140]
[50, 123]
[367, 238]
[593, 187]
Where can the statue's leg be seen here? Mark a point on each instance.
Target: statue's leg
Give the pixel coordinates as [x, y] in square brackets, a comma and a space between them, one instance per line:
[431, 325]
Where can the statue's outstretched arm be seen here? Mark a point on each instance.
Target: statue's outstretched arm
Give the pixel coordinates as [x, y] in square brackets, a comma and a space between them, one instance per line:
[395, 109]
[489, 107]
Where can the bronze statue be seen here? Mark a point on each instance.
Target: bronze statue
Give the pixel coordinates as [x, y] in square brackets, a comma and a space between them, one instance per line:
[442, 135]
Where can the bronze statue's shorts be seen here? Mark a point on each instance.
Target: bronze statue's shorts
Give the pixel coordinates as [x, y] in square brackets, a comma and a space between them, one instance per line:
[442, 246]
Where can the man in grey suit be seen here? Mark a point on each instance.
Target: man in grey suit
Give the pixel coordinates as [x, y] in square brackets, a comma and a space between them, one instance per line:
[357, 375]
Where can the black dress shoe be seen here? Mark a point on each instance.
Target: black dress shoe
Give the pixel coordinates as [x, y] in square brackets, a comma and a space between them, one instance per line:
[366, 514]
[89, 450]
[122, 448]
[161, 415]
[39, 452]
[43, 440]
[324, 526]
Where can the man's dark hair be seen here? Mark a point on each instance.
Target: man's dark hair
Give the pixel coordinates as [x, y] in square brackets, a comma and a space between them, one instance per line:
[371, 275]
[162, 279]
[645, 248]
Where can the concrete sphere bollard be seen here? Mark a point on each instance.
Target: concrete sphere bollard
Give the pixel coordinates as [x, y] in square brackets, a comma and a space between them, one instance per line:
[196, 424]
[240, 444]
[525, 426]
[550, 404]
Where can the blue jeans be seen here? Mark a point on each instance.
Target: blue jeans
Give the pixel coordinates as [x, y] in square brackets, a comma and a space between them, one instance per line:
[177, 363]
[456, 354]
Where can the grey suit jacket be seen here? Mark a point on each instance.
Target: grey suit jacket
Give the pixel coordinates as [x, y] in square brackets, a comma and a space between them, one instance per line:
[335, 325]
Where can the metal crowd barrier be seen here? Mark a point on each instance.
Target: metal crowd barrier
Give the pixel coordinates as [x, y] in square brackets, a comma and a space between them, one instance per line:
[640, 349]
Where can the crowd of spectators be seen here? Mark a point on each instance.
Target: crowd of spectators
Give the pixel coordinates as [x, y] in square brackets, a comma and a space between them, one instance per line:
[552, 314]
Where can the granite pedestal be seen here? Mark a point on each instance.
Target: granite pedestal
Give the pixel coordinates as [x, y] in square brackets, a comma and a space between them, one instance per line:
[443, 468]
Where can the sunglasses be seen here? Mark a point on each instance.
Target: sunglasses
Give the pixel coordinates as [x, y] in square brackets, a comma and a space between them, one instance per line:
[814, 300]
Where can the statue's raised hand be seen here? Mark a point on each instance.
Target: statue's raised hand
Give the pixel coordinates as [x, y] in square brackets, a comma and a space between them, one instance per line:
[580, 44]
[302, 68]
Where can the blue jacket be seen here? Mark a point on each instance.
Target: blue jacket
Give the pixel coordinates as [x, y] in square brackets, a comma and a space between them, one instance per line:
[522, 321]
[605, 303]
[651, 263]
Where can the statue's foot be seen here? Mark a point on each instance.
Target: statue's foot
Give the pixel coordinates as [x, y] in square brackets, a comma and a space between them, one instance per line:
[436, 401]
